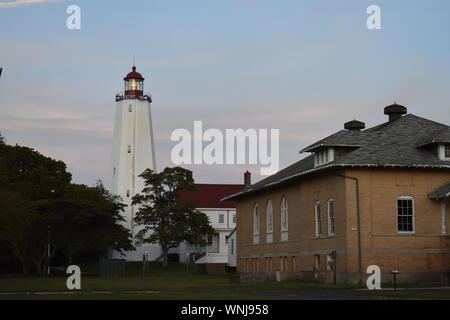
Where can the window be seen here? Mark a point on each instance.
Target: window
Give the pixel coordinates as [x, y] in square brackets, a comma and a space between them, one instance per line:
[129, 149]
[128, 193]
[284, 219]
[269, 217]
[323, 156]
[318, 220]
[114, 173]
[405, 214]
[444, 152]
[269, 214]
[330, 262]
[210, 240]
[234, 218]
[221, 218]
[130, 108]
[256, 224]
[330, 217]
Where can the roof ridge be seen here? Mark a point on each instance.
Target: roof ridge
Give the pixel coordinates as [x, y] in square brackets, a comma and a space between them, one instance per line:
[389, 124]
[422, 118]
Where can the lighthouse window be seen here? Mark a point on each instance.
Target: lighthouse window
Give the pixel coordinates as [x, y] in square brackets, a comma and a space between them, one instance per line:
[130, 108]
[128, 193]
[134, 85]
[114, 173]
[129, 149]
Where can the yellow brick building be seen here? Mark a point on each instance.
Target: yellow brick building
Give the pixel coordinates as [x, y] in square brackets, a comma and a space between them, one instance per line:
[363, 197]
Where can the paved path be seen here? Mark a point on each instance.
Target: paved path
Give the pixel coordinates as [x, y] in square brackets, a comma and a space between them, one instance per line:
[317, 294]
[303, 294]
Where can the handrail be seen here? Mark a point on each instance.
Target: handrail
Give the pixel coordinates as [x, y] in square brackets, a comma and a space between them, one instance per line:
[122, 96]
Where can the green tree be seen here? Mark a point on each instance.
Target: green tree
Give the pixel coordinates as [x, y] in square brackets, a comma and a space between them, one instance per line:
[84, 220]
[15, 227]
[26, 179]
[165, 220]
[40, 208]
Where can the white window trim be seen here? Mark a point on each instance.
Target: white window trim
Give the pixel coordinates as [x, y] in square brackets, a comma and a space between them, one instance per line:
[413, 214]
[441, 152]
[323, 156]
[284, 211]
[256, 217]
[269, 209]
[444, 216]
[269, 222]
[316, 205]
[331, 233]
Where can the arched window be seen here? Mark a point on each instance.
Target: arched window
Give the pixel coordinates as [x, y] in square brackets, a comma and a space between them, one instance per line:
[269, 215]
[406, 215]
[256, 224]
[318, 219]
[284, 219]
[331, 223]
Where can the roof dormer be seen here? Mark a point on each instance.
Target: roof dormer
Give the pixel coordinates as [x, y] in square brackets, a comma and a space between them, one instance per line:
[323, 156]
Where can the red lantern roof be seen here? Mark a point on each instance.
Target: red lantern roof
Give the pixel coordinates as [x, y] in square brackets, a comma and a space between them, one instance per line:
[134, 75]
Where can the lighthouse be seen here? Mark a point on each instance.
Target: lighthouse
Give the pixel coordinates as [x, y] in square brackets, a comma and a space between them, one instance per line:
[133, 152]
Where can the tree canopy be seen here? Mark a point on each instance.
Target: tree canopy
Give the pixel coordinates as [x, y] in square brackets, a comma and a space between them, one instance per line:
[41, 208]
[164, 219]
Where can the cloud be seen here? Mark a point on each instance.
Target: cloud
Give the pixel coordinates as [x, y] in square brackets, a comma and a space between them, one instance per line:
[16, 3]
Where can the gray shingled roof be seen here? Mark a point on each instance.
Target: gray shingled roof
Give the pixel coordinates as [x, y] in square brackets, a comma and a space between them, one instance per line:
[343, 138]
[391, 144]
[441, 192]
[441, 137]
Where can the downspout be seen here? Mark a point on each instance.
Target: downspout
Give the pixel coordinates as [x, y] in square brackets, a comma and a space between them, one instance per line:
[358, 223]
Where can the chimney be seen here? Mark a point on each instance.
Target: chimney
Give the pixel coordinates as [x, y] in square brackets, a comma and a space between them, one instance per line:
[354, 125]
[395, 111]
[247, 178]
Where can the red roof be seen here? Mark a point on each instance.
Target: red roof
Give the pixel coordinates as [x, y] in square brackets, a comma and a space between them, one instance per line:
[209, 195]
[134, 75]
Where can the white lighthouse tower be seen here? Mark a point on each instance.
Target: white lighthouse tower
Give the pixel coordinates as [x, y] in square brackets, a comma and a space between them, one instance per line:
[133, 152]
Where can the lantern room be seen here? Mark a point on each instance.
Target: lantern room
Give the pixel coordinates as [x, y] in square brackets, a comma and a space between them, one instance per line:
[134, 87]
[134, 83]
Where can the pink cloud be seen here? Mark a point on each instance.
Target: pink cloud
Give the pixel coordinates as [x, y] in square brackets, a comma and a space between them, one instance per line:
[16, 3]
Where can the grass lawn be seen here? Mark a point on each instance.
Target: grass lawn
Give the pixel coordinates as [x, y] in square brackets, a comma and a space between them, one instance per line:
[144, 296]
[174, 278]
[176, 283]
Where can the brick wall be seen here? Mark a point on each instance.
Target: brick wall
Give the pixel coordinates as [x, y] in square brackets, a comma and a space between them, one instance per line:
[426, 251]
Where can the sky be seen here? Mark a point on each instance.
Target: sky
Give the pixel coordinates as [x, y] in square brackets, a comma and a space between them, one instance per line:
[301, 66]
